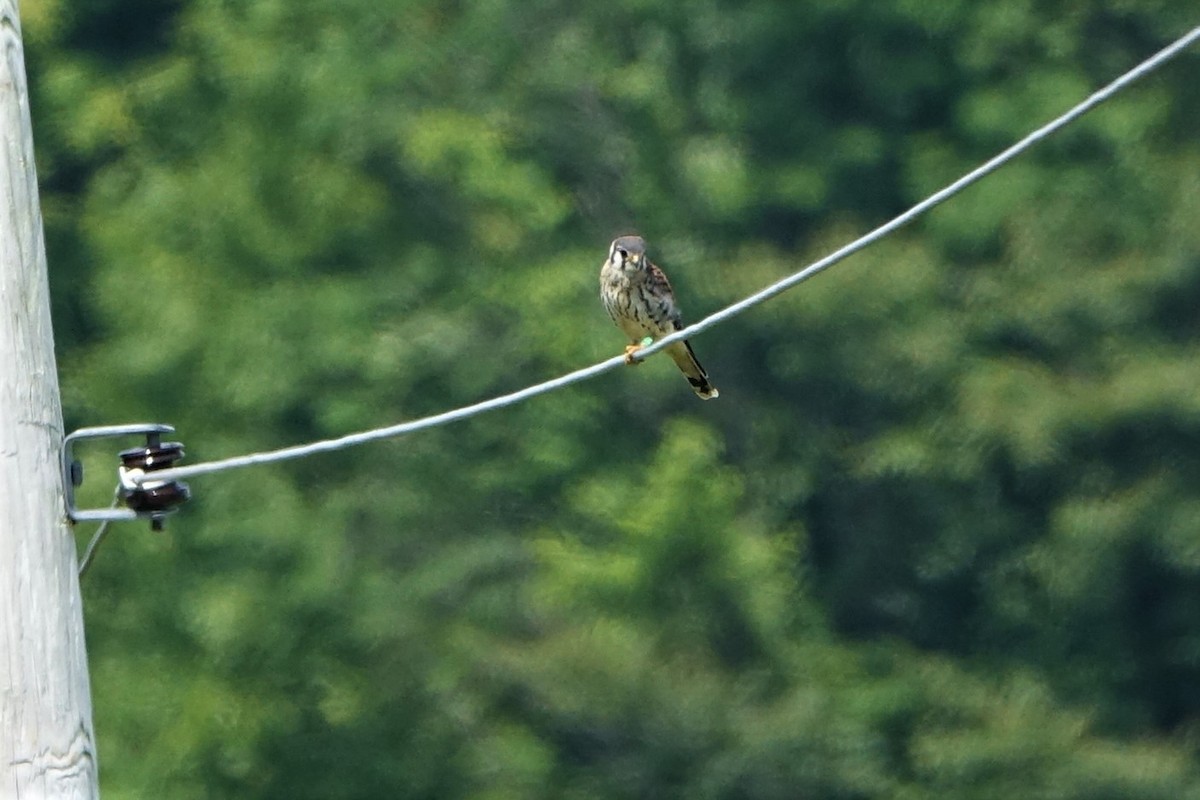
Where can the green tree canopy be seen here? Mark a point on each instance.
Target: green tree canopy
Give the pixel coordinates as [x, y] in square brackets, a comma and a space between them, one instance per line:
[937, 538]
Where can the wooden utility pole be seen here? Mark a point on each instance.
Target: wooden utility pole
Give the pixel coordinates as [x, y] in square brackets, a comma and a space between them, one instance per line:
[47, 748]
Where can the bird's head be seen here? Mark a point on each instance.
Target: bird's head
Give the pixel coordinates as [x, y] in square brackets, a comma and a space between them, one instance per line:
[628, 253]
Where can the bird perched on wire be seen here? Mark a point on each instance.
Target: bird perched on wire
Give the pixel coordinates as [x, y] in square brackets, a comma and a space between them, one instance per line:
[639, 299]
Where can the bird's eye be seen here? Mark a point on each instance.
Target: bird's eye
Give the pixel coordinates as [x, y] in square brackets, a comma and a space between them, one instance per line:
[624, 253]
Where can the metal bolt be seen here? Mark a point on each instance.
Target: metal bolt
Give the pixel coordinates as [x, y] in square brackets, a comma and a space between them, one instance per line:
[76, 472]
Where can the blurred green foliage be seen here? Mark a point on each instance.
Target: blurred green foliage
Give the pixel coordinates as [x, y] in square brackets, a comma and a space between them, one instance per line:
[939, 538]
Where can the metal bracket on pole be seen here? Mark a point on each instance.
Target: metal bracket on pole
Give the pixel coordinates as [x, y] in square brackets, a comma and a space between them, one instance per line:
[151, 500]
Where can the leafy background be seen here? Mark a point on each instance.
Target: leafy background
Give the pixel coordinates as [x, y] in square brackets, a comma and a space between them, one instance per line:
[940, 536]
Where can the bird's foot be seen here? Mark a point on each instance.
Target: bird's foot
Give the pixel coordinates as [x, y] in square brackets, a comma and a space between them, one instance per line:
[631, 349]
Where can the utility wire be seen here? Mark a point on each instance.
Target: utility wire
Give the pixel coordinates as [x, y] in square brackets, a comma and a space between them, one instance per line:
[97, 539]
[300, 451]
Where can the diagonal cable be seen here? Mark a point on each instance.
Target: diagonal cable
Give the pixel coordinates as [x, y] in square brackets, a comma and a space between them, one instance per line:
[300, 451]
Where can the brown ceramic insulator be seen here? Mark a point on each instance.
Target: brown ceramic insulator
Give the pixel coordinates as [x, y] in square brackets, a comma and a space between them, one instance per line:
[154, 456]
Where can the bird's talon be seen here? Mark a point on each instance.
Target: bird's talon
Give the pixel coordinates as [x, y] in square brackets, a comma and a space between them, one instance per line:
[630, 349]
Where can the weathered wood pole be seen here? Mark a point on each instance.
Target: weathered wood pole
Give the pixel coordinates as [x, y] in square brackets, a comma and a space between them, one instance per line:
[47, 748]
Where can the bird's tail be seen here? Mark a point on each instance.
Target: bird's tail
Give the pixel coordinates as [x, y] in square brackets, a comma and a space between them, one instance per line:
[683, 356]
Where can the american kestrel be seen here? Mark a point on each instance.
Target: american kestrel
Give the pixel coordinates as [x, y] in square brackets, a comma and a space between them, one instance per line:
[639, 299]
